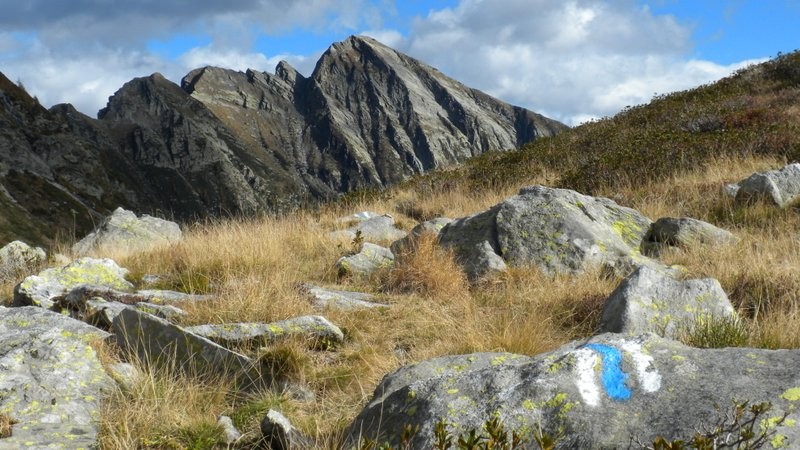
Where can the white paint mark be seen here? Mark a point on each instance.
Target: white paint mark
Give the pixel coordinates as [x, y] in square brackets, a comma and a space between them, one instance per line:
[586, 360]
[650, 380]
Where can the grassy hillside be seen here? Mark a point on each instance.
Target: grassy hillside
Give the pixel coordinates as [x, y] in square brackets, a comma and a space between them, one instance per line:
[668, 158]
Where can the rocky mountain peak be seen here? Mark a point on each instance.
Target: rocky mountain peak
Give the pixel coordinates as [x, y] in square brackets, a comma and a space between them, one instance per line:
[286, 72]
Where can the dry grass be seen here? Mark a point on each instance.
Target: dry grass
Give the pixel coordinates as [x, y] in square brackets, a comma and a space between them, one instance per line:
[6, 423]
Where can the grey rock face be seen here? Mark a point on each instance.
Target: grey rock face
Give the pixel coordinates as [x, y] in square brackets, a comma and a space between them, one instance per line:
[433, 227]
[595, 394]
[42, 289]
[558, 230]
[323, 298]
[161, 342]
[370, 259]
[316, 328]
[17, 258]
[779, 187]
[122, 230]
[650, 301]
[683, 232]
[51, 381]
[279, 433]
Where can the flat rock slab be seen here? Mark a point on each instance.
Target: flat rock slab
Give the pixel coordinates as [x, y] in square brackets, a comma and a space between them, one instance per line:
[650, 301]
[557, 230]
[102, 313]
[158, 341]
[779, 187]
[370, 259]
[122, 230]
[42, 289]
[594, 394]
[50, 379]
[159, 296]
[373, 229]
[322, 298]
[19, 259]
[316, 328]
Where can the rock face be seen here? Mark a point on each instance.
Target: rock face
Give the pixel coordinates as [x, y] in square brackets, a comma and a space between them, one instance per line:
[51, 381]
[683, 232]
[370, 259]
[592, 395]
[122, 230]
[650, 301]
[779, 187]
[17, 257]
[227, 142]
[42, 289]
[557, 230]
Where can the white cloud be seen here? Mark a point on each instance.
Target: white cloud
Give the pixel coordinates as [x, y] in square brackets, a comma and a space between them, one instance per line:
[236, 60]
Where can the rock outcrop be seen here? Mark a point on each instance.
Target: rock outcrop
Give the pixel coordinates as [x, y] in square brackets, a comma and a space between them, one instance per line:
[597, 394]
[648, 301]
[123, 231]
[557, 230]
[51, 380]
[232, 143]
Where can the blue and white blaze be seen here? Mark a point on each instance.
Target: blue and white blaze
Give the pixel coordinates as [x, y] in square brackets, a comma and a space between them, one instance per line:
[613, 380]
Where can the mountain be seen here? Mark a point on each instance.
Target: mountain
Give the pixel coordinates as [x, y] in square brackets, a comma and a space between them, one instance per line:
[230, 143]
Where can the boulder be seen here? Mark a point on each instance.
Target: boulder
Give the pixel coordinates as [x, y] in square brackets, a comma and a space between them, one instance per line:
[433, 226]
[370, 259]
[683, 232]
[316, 328]
[122, 230]
[779, 187]
[279, 434]
[557, 230]
[157, 341]
[373, 229]
[651, 301]
[322, 298]
[606, 392]
[19, 259]
[50, 379]
[42, 289]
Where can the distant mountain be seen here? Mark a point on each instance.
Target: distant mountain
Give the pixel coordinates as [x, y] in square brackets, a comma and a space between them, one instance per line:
[229, 143]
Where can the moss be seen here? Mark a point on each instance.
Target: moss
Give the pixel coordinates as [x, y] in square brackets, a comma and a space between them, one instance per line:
[792, 394]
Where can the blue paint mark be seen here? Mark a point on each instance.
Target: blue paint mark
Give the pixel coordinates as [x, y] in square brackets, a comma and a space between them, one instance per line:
[612, 376]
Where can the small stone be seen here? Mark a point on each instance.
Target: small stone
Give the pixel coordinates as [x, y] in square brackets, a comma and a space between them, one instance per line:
[370, 259]
[279, 434]
[229, 432]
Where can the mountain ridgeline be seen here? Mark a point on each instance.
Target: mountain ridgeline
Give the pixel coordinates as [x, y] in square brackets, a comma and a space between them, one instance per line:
[233, 143]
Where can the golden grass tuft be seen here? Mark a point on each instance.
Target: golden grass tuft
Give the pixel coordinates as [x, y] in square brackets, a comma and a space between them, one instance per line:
[6, 425]
[427, 269]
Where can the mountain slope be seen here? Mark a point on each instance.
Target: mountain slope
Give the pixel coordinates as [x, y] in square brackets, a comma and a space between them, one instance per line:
[233, 143]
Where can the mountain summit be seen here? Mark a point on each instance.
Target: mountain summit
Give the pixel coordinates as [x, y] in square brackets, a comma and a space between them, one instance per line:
[227, 142]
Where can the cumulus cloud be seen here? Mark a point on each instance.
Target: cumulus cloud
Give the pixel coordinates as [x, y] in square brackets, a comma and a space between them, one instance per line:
[573, 60]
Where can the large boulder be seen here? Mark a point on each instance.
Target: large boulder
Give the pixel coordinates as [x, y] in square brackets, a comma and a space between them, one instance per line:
[51, 381]
[601, 393]
[158, 341]
[651, 301]
[44, 288]
[17, 258]
[370, 259]
[683, 232]
[315, 328]
[122, 230]
[779, 187]
[557, 230]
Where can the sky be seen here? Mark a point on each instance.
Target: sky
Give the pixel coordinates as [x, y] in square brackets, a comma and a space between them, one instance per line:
[572, 60]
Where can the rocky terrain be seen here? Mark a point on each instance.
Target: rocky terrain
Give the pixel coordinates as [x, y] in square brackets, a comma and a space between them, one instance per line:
[232, 143]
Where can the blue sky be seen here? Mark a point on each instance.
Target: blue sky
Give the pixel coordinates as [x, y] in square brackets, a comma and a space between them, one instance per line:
[570, 59]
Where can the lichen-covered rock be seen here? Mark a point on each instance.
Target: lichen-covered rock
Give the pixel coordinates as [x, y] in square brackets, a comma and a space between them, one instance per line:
[779, 187]
[683, 232]
[594, 394]
[433, 227]
[102, 313]
[160, 296]
[373, 229]
[50, 379]
[158, 341]
[316, 328]
[557, 230]
[370, 259]
[651, 301]
[123, 231]
[322, 298]
[17, 258]
[474, 240]
[42, 289]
